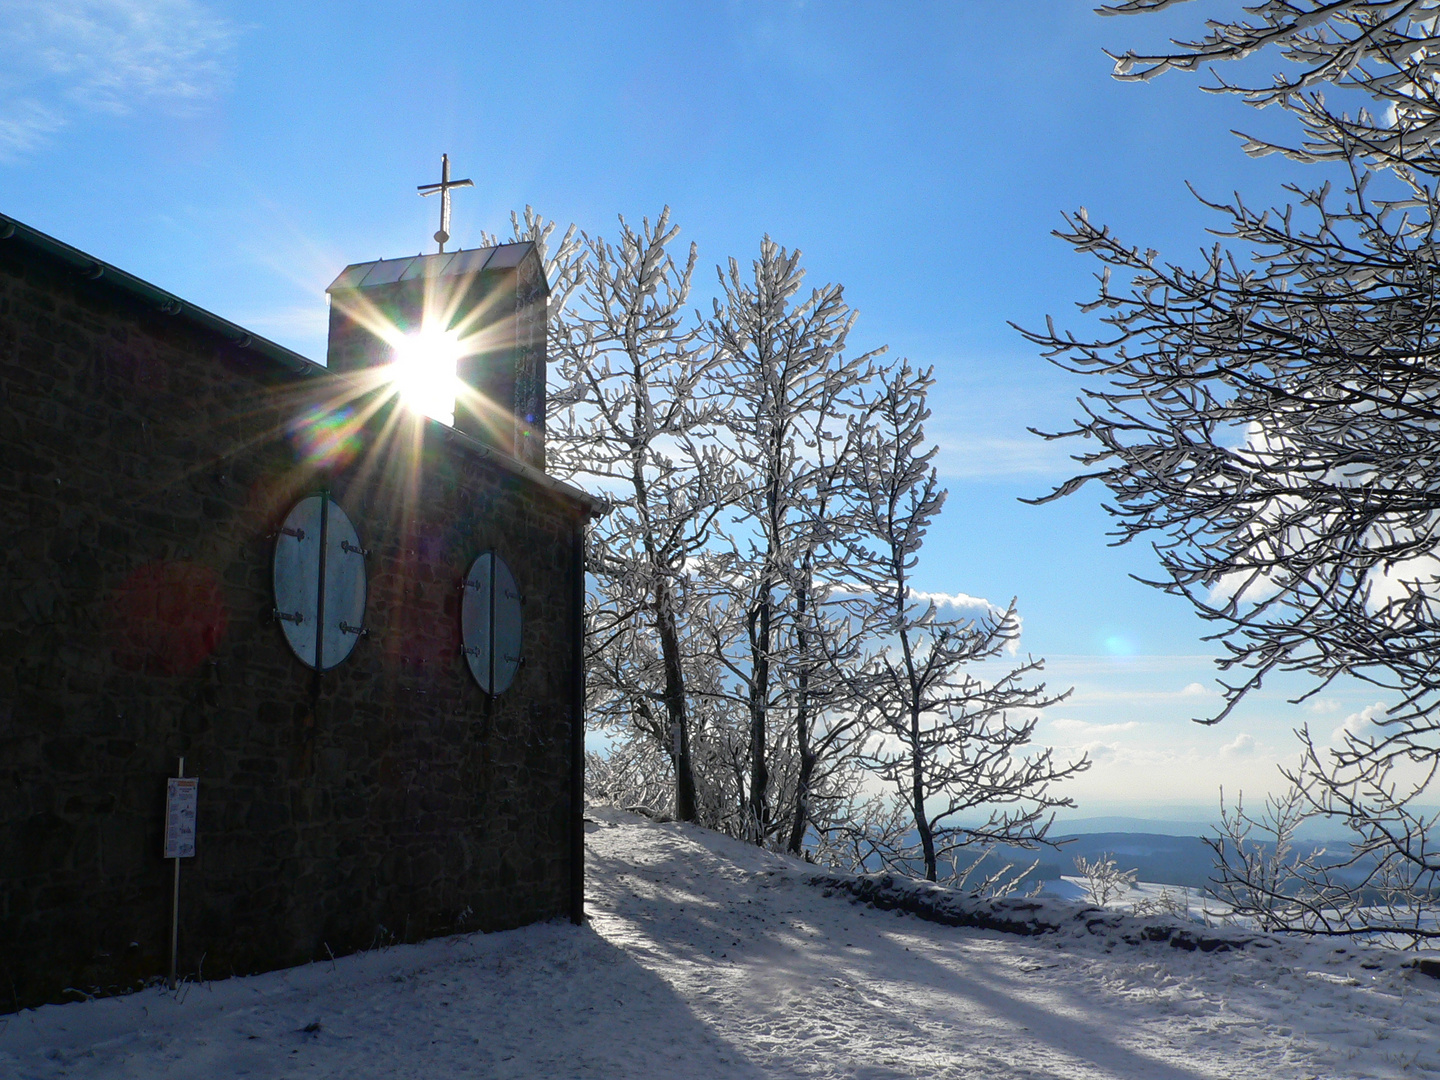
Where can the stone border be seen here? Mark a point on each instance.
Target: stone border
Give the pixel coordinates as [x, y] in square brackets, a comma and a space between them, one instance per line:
[1029, 916]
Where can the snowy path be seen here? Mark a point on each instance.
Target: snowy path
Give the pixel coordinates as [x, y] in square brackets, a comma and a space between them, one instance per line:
[706, 958]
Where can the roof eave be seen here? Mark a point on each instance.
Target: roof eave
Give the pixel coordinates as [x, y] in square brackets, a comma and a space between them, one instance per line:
[167, 303]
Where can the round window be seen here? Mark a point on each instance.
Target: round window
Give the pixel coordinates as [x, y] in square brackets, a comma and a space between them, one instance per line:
[319, 582]
[490, 623]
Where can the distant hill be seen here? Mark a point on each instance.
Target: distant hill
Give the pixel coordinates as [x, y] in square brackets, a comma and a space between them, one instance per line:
[1310, 830]
[1186, 861]
[1165, 853]
[1115, 824]
[1171, 860]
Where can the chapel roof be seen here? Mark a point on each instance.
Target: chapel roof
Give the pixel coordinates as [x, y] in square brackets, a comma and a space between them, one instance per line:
[13, 231]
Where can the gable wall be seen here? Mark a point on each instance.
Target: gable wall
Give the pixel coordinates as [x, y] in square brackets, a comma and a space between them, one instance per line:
[144, 467]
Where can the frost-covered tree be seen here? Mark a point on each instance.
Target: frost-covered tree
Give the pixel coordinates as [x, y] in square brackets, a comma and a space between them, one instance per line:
[1263, 875]
[826, 648]
[956, 746]
[1271, 418]
[783, 359]
[564, 260]
[1104, 881]
[742, 459]
[634, 417]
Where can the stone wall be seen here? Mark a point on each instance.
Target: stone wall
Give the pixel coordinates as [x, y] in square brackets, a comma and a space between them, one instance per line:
[145, 465]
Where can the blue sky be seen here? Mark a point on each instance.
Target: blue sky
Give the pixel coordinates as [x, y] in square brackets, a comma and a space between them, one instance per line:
[241, 154]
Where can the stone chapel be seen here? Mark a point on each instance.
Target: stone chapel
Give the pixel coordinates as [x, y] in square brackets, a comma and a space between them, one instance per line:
[360, 627]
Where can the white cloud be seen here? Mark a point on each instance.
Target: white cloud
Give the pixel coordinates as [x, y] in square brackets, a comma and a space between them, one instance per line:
[1101, 753]
[962, 602]
[1089, 665]
[1359, 723]
[981, 457]
[1170, 770]
[1406, 580]
[1094, 694]
[1097, 741]
[1084, 728]
[1246, 587]
[1323, 706]
[1241, 745]
[66, 58]
[24, 125]
[959, 601]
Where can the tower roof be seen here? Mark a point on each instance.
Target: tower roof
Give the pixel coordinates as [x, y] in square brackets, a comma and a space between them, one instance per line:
[461, 263]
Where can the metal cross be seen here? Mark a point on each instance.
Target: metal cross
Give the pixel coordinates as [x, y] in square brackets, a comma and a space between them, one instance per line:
[444, 189]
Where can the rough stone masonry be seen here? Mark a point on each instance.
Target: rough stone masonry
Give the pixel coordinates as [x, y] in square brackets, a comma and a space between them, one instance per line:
[149, 451]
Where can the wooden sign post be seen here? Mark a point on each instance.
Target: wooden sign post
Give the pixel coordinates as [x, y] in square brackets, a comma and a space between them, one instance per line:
[180, 800]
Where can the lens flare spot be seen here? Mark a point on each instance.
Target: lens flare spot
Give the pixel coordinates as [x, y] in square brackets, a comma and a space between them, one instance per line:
[326, 437]
[1116, 645]
[167, 617]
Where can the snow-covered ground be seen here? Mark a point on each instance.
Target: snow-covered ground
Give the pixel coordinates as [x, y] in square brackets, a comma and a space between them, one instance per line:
[707, 958]
[1194, 901]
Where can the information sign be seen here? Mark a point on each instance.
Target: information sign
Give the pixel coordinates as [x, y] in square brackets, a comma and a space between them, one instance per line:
[180, 799]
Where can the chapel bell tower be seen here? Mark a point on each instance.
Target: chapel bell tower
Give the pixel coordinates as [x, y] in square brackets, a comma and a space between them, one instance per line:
[490, 302]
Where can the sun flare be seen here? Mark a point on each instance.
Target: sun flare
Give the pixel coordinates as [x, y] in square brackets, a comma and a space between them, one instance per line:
[424, 373]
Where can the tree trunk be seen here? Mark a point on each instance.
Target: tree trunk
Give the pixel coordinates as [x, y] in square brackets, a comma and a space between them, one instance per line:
[808, 757]
[917, 798]
[808, 761]
[759, 700]
[679, 742]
